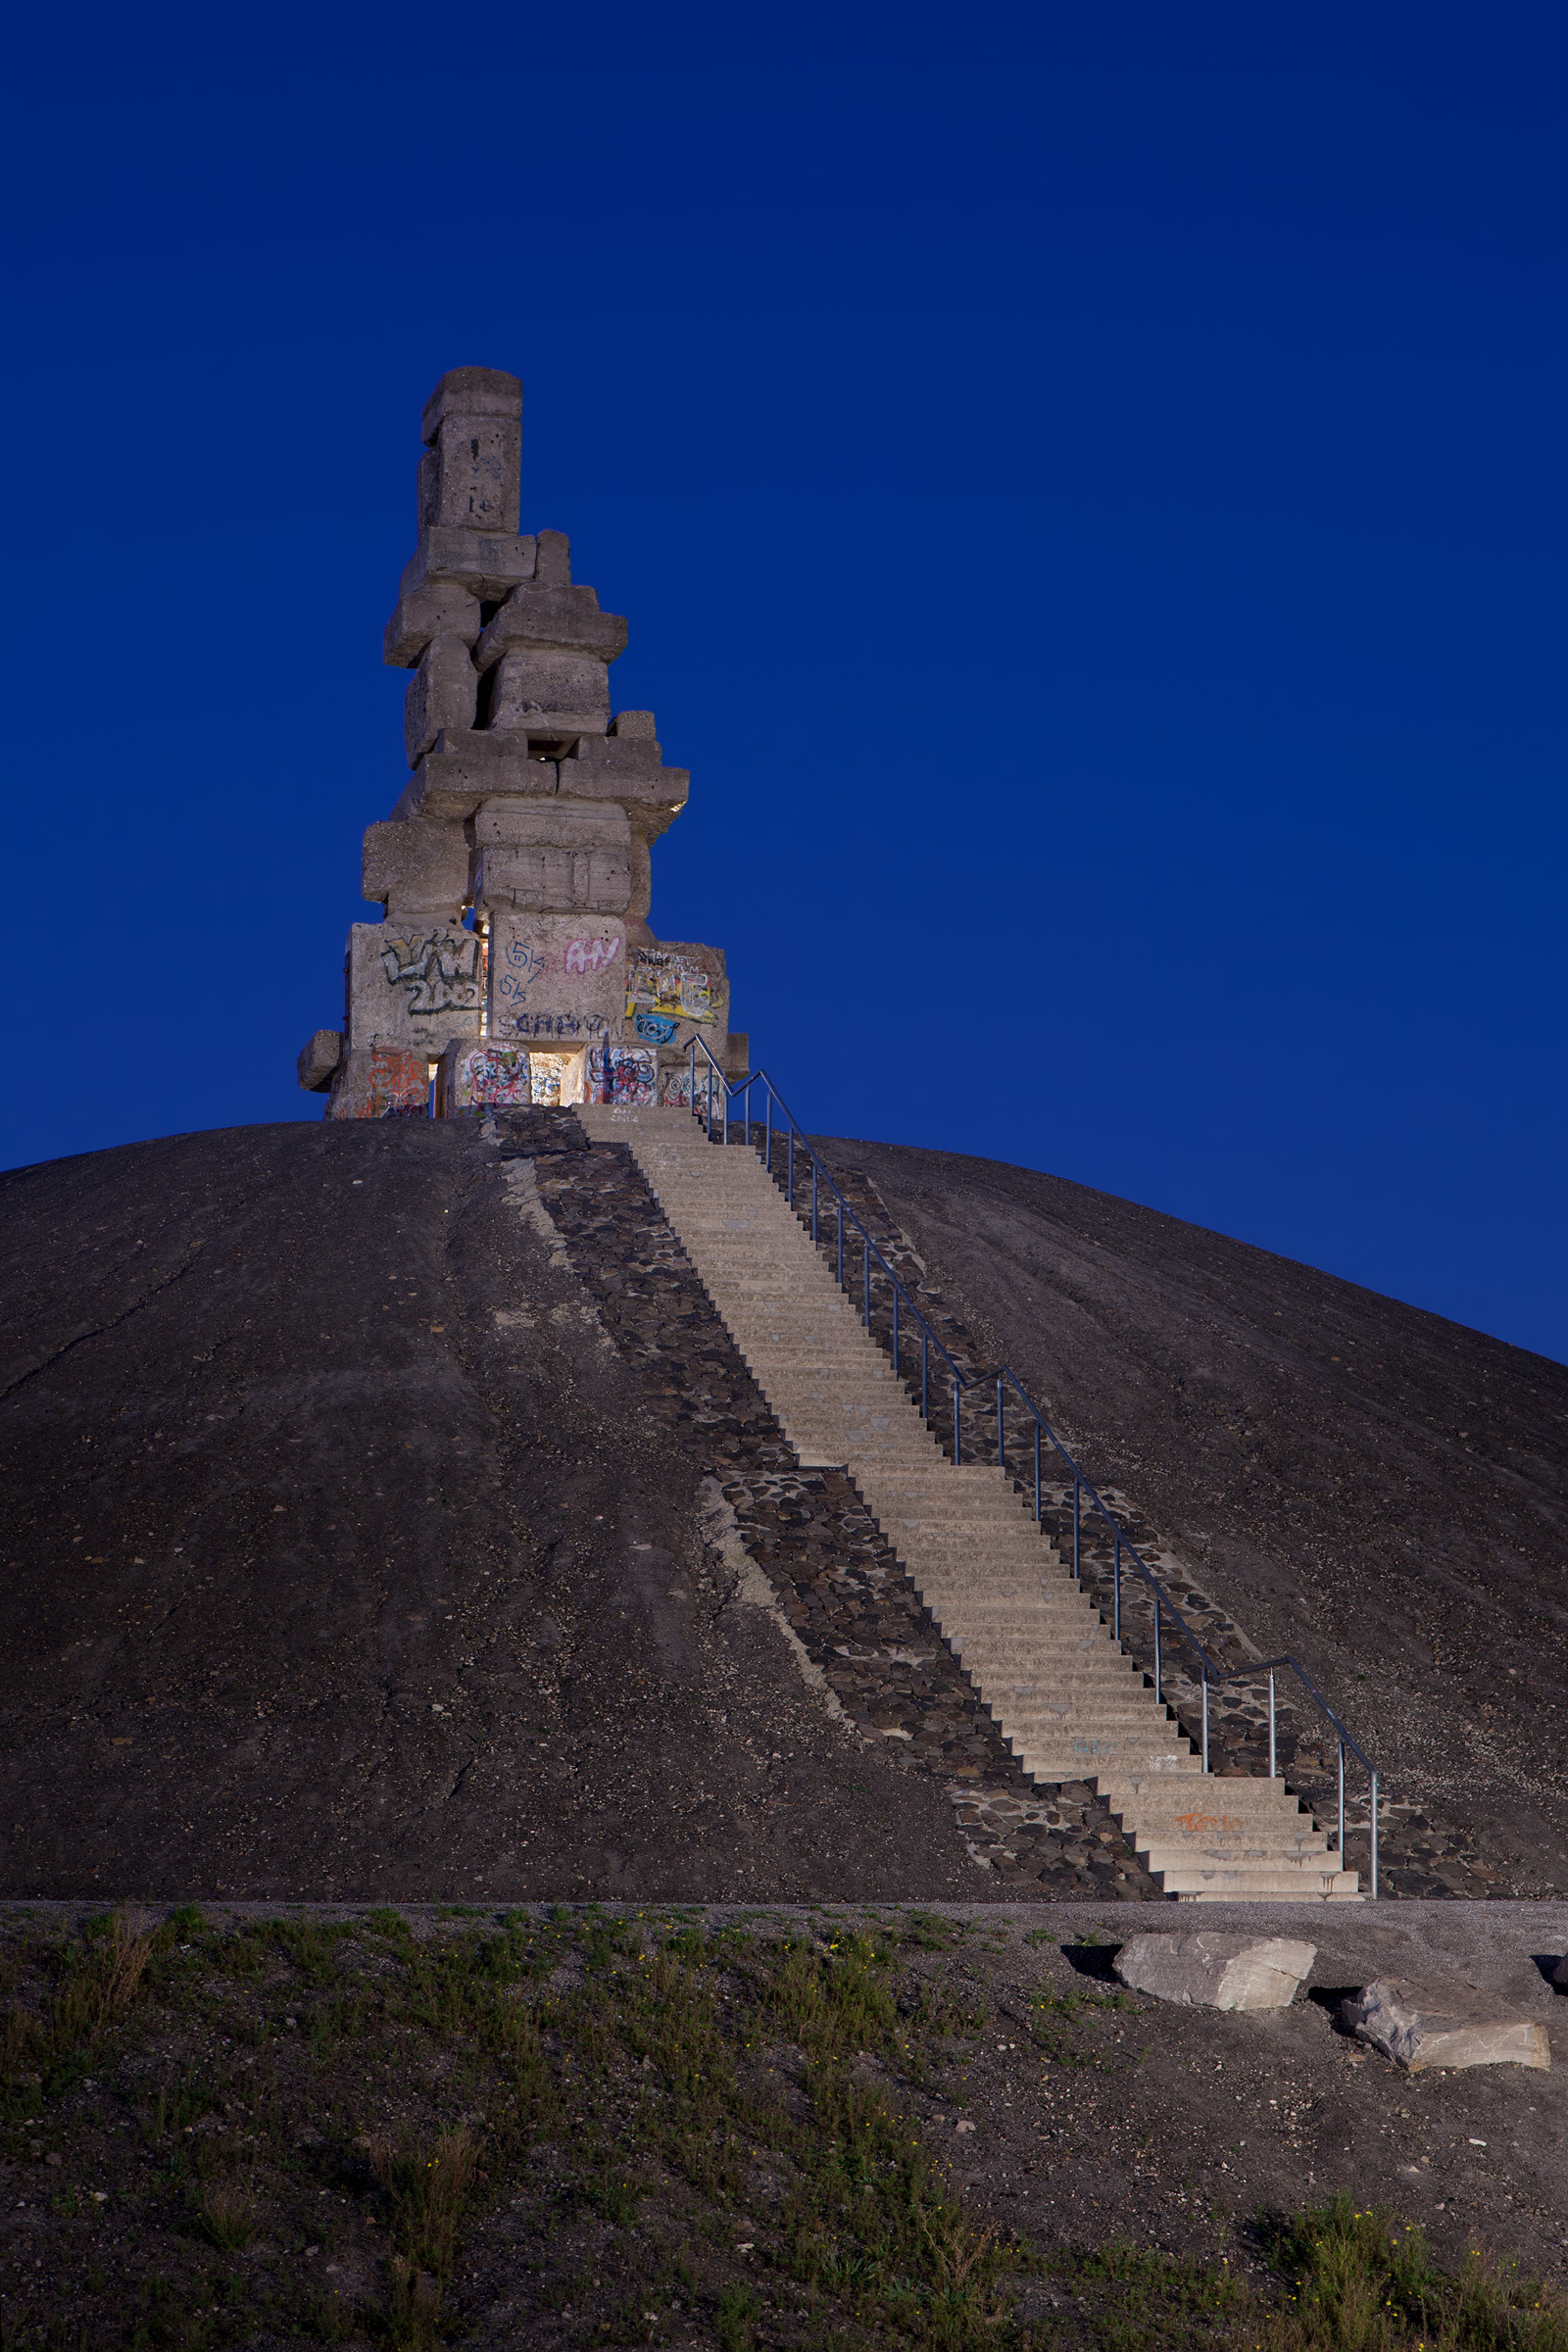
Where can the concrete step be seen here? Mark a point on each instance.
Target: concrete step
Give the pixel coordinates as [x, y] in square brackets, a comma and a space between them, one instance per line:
[1226, 1883]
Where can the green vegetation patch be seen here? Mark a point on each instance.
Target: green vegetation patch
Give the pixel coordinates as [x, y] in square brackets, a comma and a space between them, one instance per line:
[589, 2129]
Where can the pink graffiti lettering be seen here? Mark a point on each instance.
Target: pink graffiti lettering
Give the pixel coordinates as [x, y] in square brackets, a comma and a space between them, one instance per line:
[591, 954]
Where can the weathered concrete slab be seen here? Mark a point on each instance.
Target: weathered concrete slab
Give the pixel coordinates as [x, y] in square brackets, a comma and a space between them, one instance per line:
[417, 986]
[319, 1058]
[1215, 1971]
[1445, 2022]
[441, 695]
[417, 870]
[539, 855]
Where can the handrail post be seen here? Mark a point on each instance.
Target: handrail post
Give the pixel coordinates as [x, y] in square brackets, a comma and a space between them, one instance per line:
[726, 1111]
[1341, 1804]
[868, 1272]
[1206, 1713]
[691, 1081]
[841, 1245]
[814, 1202]
[1077, 1526]
[1374, 1838]
[1116, 1591]
[1271, 1771]
[1160, 1696]
[768, 1114]
[1037, 1474]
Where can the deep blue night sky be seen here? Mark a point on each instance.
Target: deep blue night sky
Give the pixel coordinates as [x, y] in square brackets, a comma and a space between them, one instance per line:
[1087, 491]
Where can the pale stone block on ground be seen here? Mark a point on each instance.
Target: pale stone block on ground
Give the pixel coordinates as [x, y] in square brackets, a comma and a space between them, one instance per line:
[1443, 2022]
[1215, 1971]
[319, 1059]
[414, 987]
[416, 869]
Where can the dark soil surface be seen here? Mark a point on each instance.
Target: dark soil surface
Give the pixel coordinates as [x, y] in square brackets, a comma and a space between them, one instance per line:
[868, 2126]
[1380, 1491]
[347, 1554]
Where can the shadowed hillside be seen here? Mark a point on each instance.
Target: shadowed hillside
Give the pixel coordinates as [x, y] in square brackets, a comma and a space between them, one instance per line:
[345, 1554]
[1376, 1489]
[372, 1508]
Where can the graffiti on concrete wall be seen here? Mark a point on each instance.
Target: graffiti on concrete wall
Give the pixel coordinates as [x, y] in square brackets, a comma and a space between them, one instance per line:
[592, 954]
[380, 1082]
[664, 983]
[443, 971]
[620, 1074]
[489, 1077]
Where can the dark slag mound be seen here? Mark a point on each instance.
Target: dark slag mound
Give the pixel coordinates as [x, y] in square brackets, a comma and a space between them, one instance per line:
[346, 1557]
[1379, 1490]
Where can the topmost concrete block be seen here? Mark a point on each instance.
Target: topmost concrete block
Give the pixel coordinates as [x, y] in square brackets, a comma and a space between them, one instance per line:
[471, 392]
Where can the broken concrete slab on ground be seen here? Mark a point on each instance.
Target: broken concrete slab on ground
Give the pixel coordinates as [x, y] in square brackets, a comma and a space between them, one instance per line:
[1215, 1972]
[1445, 2022]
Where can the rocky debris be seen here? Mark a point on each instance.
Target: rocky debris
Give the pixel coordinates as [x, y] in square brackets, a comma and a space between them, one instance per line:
[1443, 2022]
[1215, 1972]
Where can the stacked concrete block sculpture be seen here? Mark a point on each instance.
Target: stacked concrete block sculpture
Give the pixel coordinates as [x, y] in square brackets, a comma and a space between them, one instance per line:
[514, 962]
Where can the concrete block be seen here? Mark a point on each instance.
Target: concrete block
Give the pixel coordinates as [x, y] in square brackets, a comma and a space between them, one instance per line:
[417, 870]
[679, 981]
[468, 481]
[555, 558]
[441, 695]
[543, 617]
[549, 854]
[471, 392]
[442, 609]
[415, 987]
[319, 1059]
[465, 769]
[380, 1082]
[1443, 2022]
[482, 1075]
[622, 1074]
[635, 725]
[555, 979]
[1215, 1971]
[488, 564]
[549, 694]
[630, 770]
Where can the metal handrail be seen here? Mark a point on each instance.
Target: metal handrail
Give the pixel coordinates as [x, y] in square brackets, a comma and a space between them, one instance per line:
[795, 1134]
[1209, 1668]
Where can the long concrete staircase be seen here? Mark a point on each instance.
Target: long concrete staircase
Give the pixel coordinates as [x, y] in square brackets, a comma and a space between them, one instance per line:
[1067, 1700]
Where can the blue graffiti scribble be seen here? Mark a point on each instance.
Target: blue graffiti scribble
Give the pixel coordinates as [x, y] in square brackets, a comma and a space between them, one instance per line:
[655, 1027]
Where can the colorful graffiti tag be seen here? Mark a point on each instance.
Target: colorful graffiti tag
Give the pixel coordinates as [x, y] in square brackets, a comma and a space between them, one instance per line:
[663, 982]
[591, 954]
[443, 971]
[621, 1074]
[382, 1082]
[489, 1077]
